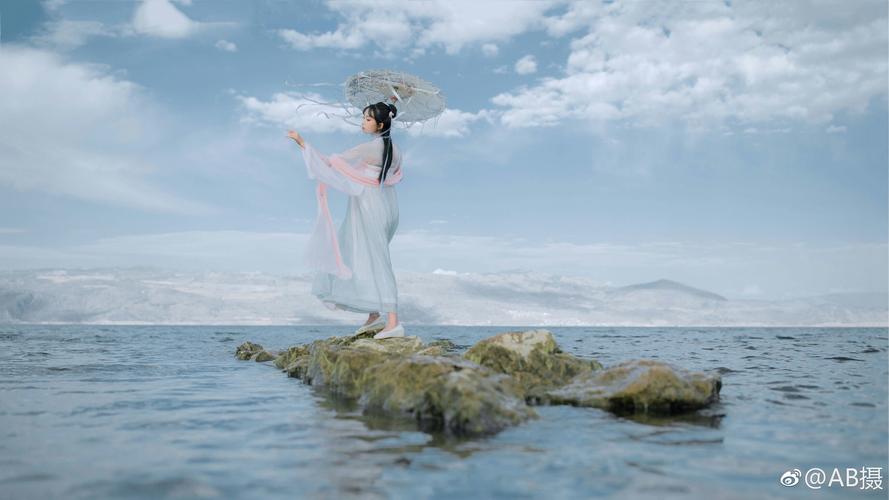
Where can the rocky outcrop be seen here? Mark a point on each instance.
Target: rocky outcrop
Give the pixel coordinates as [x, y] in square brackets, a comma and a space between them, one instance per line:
[249, 350]
[490, 386]
[444, 393]
[403, 377]
[532, 358]
[640, 386]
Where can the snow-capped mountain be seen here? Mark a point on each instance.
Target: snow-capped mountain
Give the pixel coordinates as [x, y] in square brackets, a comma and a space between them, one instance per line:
[156, 296]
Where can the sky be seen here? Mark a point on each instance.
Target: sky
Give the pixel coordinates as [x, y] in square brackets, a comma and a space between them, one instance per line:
[738, 147]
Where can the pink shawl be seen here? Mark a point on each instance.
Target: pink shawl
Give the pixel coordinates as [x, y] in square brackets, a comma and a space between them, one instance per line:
[350, 172]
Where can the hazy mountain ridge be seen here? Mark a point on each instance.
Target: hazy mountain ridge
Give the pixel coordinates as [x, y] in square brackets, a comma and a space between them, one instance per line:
[155, 296]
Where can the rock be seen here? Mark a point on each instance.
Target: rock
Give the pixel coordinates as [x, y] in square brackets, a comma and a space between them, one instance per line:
[340, 364]
[490, 386]
[640, 386]
[296, 360]
[532, 358]
[291, 355]
[446, 394]
[263, 356]
[394, 345]
[442, 393]
[249, 350]
[440, 347]
[246, 350]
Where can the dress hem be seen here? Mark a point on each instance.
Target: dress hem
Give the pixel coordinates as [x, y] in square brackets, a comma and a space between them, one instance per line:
[357, 306]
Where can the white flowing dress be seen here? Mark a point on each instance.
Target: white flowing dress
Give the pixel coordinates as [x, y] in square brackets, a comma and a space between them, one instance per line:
[364, 235]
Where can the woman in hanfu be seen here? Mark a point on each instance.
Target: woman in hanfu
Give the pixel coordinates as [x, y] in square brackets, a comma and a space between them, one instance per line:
[352, 268]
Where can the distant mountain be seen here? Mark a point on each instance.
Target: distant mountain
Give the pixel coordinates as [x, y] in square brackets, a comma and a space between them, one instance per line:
[669, 286]
[523, 298]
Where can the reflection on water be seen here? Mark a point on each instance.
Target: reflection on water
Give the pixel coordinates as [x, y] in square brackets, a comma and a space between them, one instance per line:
[168, 412]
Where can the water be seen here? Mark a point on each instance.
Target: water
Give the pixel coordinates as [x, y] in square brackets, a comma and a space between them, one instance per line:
[168, 412]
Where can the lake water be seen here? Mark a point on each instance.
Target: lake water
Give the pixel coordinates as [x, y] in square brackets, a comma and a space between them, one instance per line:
[168, 412]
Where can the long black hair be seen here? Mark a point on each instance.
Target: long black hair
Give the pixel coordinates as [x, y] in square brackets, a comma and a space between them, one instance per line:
[381, 113]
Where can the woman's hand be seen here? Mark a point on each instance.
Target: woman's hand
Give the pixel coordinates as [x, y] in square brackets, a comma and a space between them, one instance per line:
[296, 137]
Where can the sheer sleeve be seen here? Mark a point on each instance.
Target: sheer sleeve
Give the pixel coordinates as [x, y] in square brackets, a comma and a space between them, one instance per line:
[367, 152]
[318, 167]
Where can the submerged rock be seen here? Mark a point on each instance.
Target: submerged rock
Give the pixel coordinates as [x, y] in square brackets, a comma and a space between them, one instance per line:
[640, 386]
[249, 350]
[532, 358]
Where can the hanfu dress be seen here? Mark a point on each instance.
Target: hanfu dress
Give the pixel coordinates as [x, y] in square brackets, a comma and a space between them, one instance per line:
[351, 265]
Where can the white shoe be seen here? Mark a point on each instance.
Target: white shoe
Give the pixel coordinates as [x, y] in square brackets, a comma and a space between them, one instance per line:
[398, 331]
[380, 322]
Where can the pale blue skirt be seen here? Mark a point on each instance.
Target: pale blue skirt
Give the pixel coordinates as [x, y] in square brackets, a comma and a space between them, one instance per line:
[363, 237]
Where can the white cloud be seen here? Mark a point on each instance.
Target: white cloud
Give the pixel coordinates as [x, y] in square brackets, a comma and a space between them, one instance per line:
[727, 268]
[450, 123]
[162, 19]
[706, 63]
[490, 50]
[445, 272]
[578, 15]
[414, 27]
[150, 295]
[75, 130]
[68, 34]
[526, 65]
[153, 18]
[53, 5]
[836, 129]
[226, 46]
[709, 64]
[299, 111]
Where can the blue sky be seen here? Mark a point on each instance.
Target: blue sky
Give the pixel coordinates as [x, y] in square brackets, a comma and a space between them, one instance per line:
[737, 147]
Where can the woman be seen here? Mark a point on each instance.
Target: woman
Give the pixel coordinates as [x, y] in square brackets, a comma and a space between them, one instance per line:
[354, 272]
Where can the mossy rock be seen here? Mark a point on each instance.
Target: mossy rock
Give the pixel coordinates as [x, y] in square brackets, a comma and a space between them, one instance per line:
[297, 368]
[445, 394]
[445, 344]
[288, 357]
[640, 386]
[263, 356]
[249, 350]
[489, 387]
[341, 367]
[532, 358]
[442, 393]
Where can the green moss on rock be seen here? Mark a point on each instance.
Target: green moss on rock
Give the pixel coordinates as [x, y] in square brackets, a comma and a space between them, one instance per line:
[263, 356]
[532, 358]
[444, 394]
[640, 386]
[290, 356]
[248, 351]
[488, 388]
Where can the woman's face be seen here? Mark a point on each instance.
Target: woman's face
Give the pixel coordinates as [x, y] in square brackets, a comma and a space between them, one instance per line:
[369, 125]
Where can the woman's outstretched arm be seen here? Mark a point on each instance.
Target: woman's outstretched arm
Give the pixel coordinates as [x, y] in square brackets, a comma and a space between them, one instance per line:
[318, 166]
[293, 134]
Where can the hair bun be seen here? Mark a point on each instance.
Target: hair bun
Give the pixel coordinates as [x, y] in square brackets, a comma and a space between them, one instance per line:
[392, 110]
